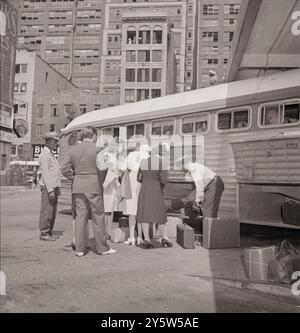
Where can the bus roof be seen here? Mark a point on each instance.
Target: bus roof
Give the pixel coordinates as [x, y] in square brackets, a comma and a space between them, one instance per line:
[205, 99]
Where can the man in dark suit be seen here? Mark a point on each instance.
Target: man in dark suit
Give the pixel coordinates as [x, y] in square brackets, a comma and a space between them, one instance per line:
[80, 164]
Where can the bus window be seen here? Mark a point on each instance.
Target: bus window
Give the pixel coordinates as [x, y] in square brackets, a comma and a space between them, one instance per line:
[135, 129]
[291, 113]
[234, 119]
[281, 113]
[163, 127]
[195, 124]
[240, 119]
[73, 139]
[224, 121]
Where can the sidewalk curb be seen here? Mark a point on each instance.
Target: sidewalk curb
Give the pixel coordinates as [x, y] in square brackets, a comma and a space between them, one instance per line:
[275, 290]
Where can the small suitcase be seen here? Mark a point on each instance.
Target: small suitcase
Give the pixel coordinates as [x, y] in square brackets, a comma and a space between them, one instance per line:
[257, 260]
[185, 236]
[220, 233]
[291, 212]
[124, 222]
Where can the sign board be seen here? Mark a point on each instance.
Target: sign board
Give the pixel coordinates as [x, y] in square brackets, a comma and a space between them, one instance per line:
[6, 115]
[37, 149]
[8, 39]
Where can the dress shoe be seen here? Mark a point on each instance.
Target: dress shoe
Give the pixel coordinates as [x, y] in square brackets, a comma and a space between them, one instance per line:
[47, 238]
[166, 243]
[79, 254]
[147, 245]
[110, 251]
[139, 241]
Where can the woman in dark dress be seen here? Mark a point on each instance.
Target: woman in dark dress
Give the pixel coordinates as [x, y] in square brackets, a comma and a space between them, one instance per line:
[151, 205]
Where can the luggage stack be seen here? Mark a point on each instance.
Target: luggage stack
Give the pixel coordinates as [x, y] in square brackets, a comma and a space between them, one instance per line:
[185, 236]
[257, 260]
[291, 212]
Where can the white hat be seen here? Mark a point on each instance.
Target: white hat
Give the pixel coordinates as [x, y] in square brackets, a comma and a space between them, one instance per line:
[51, 135]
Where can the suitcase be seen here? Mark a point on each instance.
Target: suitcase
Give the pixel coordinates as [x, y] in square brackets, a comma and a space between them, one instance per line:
[257, 260]
[124, 222]
[119, 235]
[185, 236]
[171, 226]
[220, 233]
[291, 212]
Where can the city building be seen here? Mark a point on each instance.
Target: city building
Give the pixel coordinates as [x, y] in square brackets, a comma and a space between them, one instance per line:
[181, 16]
[67, 34]
[217, 27]
[148, 64]
[33, 75]
[8, 38]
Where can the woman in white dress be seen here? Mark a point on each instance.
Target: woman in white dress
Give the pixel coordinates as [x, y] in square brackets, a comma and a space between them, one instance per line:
[134, 159]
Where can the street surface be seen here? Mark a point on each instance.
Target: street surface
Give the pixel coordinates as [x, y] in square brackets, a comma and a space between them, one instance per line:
[48, 277]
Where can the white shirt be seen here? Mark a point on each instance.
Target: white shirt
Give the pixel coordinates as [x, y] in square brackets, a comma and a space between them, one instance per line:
[49, 168]
[202, 176]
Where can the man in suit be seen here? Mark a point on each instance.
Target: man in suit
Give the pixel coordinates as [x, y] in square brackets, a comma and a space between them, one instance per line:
[50, 186]
[87, 191]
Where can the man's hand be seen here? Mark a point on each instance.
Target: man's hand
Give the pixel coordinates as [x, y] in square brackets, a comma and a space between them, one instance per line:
[51, 196]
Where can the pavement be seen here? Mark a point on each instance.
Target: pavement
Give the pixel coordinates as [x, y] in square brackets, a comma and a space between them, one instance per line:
[48, 277]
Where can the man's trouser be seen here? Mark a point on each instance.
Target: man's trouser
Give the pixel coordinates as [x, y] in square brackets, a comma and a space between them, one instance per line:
[84, 204]
[48, 211]
[212, 197]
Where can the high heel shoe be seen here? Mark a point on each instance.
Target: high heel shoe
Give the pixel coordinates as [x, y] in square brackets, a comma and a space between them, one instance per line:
[166, 243]
[130, 241]
[147, 245]
[139, 241]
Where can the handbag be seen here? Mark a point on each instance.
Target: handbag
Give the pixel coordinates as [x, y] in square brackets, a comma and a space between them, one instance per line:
[125, 187]
[286, 262]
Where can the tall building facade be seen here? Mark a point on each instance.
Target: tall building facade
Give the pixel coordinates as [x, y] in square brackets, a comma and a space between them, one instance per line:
[148, 65]
[67, 34]
[181, 17]
[216, 29]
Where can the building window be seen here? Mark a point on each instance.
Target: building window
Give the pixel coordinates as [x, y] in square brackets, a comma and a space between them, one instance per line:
[209, 36]
[142, 94]
[157, 36]
[156, 74]
[39, 130]
[231, 9]
[234, 119]
[21, 68]
[156, 55]
[129, 95]
[130, 56]
[54, 110]
[195, 124]
[162, 127]
[3, 162]
[144, 35]
[13, 150]
[16, 87]
[131, 36]
[40, 110]
[210, 9]
[130, 75]
[144, 56]
[228, 36]
[155, 93]
[143, 75]
[280, 113]
[52, 127]
[82, 108]
[23, 87]
[46, 77]
[136, 129]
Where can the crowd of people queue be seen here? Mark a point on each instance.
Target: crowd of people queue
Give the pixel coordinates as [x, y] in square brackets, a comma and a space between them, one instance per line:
[105, 179]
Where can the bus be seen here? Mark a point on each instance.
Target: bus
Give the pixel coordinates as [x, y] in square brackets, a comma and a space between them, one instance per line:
[247, 131]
